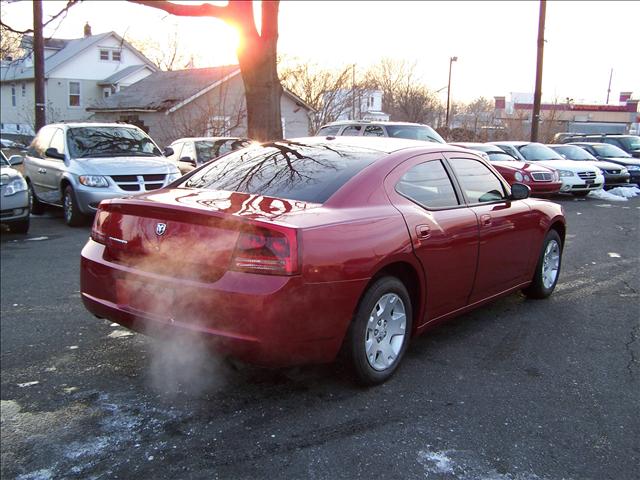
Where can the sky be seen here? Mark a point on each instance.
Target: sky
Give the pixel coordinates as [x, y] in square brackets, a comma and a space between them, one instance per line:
[495, 42]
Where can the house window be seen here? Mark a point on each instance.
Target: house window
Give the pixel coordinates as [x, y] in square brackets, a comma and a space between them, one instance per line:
[104, 54]
[24, 89]
[74, 94]
[13, 95]
[106, 92]
[116, 55]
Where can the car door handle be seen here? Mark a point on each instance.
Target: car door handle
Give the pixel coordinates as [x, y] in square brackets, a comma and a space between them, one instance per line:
[42, 170]
[423, 232]
[485, 220]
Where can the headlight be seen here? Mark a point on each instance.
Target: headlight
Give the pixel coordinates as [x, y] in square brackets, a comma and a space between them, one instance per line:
[633, 168]
[15, 186]
[565, 173]
[93, 181]
[173, 176]
[526, 178]
[518, 176]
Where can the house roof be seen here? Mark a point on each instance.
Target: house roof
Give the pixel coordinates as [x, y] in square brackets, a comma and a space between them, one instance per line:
[164, 90]
[67, 49]
[121, 74]
[169, 91]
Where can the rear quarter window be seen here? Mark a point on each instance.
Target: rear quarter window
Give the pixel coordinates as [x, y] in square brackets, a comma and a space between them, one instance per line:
[310, 173]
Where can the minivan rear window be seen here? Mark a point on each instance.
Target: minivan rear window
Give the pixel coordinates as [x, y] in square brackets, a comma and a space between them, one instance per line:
[295, 171]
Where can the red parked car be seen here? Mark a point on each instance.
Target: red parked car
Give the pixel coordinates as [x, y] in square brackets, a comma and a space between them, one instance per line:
[543, 181]
[283, 253]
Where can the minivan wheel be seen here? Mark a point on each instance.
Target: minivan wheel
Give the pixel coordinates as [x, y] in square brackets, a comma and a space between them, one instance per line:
[547, 271]
[380, 331]
[35, 206]
[72, 214]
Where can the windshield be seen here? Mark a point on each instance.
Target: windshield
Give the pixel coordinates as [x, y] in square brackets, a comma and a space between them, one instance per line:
[537, 151]
[630, 143]
[500, 157]
[414, 132]
[110, 142]
[574, 153]
[209, 149]
[295, 171]
[605, 150]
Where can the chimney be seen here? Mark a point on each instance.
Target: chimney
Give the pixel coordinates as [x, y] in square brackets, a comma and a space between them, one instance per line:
[500, 103]
[624, 96]
[87, 30]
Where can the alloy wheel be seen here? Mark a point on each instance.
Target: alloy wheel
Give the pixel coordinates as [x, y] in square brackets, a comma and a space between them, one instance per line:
[550, 264]
[386, 331]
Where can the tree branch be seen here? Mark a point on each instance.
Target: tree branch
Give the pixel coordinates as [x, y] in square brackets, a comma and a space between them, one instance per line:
[70, 4]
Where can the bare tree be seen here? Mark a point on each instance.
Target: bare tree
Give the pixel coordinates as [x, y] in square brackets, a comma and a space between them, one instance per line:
[257, 56]
[10, 48]
[322, 89]
[167, 56]
[405, 98]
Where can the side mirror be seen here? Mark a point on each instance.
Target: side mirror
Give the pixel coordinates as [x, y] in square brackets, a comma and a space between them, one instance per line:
[53, 153]
[15, 160]
[168, 151]
[520, 191]
[188, 160]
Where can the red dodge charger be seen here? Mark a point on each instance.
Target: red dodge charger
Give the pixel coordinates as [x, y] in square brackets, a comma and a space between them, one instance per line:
[287, 252]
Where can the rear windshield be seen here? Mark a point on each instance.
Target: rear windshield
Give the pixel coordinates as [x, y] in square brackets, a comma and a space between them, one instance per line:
[414, 132]
[574, 153]
[537, 151]
[609, 150]
[88, 142]
[295, 171]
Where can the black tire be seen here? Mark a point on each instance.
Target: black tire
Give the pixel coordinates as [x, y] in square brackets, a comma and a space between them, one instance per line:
[21, 226]
[35, 206]
[360, 331]
[537, 289]
[72, 214]
[580, 194]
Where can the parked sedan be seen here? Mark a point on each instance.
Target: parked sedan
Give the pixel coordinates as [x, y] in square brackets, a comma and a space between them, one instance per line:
[189, 153]
[614, 175]
[541, 180]
[613, 154]
[578, 179]
[14, 198]
[292, 251]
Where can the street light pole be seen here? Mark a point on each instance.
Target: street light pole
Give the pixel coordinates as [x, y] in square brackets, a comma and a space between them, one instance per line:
[446, 120]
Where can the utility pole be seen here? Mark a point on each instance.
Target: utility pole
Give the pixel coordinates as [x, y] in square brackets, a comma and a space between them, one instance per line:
[609, 88]
[446, 120]
[38, 65]
[353, 91]
[535, 120]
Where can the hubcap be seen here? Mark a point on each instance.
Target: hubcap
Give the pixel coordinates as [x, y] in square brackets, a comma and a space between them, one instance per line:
[386, 330]
[550, 264]
[68, 207]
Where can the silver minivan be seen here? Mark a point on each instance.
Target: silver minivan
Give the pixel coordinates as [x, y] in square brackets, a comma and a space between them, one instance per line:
[77, 165]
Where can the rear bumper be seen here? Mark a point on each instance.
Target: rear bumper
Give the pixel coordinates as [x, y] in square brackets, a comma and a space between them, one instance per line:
[265, 320]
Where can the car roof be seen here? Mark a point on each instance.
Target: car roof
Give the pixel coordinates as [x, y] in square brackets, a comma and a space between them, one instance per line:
[510, 142]
[91, 124]
[377, 122]
[381, 144]
[196, 139]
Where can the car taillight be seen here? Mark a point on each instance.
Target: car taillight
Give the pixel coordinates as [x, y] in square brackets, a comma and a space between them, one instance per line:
[272, 251]
[97, 235]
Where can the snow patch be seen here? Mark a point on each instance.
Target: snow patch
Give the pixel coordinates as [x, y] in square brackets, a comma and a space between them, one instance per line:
[603, 195]
[44, 474]
[627, 192]
[36, 239]
[28, 384]
[435, 462]
[120, 334]
[614, 255]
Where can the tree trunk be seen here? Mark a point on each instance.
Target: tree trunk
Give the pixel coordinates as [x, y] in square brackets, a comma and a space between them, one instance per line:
[263, 92]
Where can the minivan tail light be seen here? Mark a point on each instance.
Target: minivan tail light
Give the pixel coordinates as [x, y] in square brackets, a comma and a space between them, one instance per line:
[272, 251]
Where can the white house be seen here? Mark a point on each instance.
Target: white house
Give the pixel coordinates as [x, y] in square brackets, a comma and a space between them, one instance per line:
[78, 73]
[361, 105]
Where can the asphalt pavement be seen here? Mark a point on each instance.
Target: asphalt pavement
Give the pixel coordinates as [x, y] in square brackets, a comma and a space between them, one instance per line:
[517, 390]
